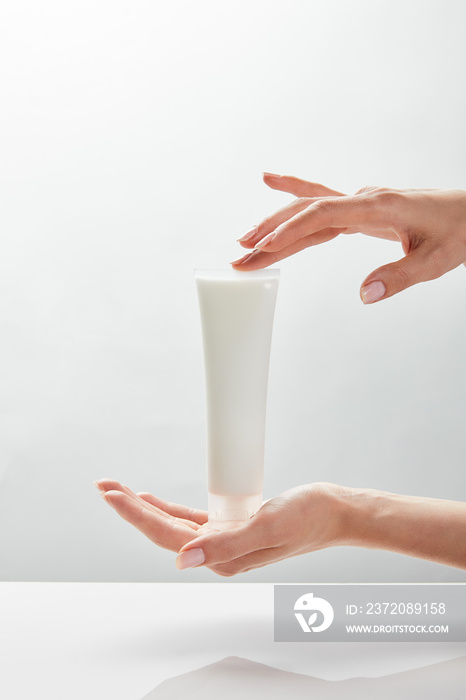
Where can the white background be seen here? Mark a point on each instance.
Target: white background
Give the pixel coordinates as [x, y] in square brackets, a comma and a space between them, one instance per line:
[132, 138]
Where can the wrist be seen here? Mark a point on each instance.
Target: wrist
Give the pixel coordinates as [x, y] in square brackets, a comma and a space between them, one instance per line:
[428, 528]
[362, 517]
[366, 518]
[340, 512]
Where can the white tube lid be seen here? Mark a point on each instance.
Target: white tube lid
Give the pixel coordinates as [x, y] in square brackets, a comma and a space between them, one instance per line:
[227, 512]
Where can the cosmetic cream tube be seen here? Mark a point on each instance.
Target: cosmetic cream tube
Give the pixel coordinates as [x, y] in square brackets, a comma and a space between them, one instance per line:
[237, 310]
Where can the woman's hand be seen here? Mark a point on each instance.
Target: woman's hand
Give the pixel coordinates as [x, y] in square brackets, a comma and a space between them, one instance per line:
[301, 520]
[168, 525]
[429, 224]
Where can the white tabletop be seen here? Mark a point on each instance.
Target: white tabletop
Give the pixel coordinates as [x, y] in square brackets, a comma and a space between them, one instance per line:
[118, 641]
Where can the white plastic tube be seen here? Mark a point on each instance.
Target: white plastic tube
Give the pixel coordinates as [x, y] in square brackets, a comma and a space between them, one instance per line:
[237, 310]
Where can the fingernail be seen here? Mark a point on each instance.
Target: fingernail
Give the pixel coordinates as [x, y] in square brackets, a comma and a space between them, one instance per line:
[97, 485]
[247, 236]
[242, 260]
[103, 494]
[265, 241]
[190, 558]
[372, 292]
[270, 175]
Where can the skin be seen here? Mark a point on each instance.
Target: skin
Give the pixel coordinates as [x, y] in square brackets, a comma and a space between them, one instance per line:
[304, 519]
[431, 227]
[429, 224]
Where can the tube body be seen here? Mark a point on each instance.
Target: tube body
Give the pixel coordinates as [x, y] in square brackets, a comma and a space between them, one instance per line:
[237, 310]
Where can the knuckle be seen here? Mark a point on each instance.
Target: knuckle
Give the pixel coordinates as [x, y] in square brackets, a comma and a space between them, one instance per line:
[390, 199]
[400, 277]
[385, 203]
[367, 189]
[436, 263]
[382, 195]
[385, 197]
[266, 224]
[323, 208]
[323, 204]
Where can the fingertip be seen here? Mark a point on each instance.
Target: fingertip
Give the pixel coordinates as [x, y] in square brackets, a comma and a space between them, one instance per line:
[255, 260]
[186, 547]
[197, 542]
[273, 181]
[100, 483]
[246, 244]
[190, 558]
[267, 240]
[248, 236]
[113, 496]
[105, 494]
[240, 261]
[110, 497]
[107, 484]
[372, 292]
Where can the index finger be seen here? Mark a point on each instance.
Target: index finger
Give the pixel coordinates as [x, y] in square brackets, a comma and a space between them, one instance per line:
[176, 509]
[298, 187]
[168, 533]
[333, 212]
[263, 258]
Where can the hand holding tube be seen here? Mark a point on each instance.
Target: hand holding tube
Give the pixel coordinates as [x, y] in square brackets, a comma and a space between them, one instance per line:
[304, 519]
[429, 224]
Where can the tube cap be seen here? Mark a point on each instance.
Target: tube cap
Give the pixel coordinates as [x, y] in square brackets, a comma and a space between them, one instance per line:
[226, 512]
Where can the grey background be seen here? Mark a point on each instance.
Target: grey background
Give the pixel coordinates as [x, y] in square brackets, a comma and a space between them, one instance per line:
[132, 137]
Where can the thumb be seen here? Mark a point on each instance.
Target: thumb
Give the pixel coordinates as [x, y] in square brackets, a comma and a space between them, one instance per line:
[395, 277]
[220, 546]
